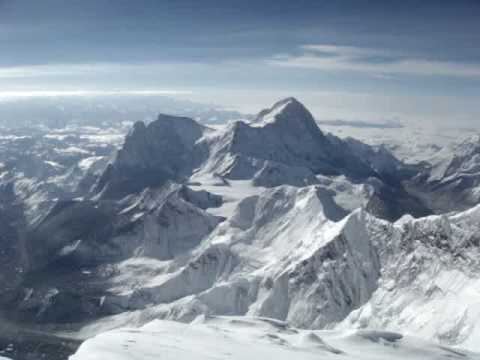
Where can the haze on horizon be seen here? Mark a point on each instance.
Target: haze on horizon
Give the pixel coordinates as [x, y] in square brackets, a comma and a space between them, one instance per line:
[416, 61]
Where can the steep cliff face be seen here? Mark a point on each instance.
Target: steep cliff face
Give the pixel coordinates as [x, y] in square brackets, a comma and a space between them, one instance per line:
[153, 154]
[429, 280]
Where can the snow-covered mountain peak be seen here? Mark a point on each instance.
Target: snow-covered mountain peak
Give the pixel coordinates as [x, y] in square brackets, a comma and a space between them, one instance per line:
[284, 146]
[152, 154]
[287, 110]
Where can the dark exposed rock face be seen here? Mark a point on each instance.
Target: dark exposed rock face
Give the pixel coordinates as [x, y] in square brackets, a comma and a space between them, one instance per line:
[151, 155]
[13, 259]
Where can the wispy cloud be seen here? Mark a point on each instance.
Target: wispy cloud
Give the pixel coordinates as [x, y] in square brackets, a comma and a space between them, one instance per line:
[54, 70]
[5, 95]
[375, 62]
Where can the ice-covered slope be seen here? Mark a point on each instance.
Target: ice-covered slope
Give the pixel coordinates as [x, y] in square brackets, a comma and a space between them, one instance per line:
[281, 254]
[251, 338]
[430, 283]
[287, 254]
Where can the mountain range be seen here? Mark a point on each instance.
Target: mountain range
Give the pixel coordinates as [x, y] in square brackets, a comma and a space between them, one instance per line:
[317, 244]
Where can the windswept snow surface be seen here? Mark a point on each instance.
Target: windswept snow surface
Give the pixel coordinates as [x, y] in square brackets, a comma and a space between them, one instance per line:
[243, 338]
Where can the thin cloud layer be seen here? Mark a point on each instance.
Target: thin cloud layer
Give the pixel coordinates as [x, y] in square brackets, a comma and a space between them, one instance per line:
[371, 61]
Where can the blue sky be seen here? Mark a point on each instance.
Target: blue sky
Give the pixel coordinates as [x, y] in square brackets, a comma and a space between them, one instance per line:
[354, 59]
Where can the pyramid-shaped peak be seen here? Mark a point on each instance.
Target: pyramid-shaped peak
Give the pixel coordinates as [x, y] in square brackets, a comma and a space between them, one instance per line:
[288, 107]
[286, 110]
[287, 101]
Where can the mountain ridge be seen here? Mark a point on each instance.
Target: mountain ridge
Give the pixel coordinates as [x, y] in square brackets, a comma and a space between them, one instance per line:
[264, 219]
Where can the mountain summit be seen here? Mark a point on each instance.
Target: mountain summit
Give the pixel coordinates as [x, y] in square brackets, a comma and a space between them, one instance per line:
[288, 112]
[152, 154]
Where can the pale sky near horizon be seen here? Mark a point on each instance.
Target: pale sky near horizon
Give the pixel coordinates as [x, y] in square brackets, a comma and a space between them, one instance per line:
[361, 60]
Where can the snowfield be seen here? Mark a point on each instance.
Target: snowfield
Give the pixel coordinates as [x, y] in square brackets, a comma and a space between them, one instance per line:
[243, 338]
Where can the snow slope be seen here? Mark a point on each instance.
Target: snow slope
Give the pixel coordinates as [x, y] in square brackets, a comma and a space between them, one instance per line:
[430, 283]
[255, 338]
[268, 259]
[291, 255]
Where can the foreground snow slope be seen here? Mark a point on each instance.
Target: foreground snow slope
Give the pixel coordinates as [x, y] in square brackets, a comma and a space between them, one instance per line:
[285, 254]
[239, 338]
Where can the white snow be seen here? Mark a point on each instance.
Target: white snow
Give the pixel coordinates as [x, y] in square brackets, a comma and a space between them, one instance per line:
[240, 338]
[232, 192]
[105, 138]
[86, 163]
[285, 252]
[69, 249]
[54, 164]
[279, 255]
[270, 116]
[433, 290]
[72, 150]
